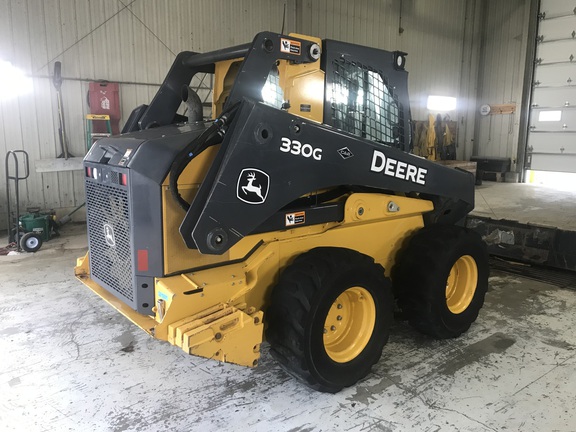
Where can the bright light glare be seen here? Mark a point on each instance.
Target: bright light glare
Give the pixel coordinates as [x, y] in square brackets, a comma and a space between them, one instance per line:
[556, 180]
[340, 95]
[13, 82]
[269, 94]
[547, 116]
[441, 103]
[314, 90]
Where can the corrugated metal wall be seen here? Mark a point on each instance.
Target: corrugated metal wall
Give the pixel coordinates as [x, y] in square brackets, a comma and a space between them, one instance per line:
[134, 42]
[130, 41]
[431, 32]
[502, 60]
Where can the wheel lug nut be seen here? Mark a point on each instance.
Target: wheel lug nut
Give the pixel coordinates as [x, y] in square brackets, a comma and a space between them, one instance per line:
[339, 318]
[339, 306]
[333, 328]
[325, 331]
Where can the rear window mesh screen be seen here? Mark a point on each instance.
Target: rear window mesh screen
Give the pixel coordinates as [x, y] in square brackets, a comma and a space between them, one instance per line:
[363, 104]
[272, 93]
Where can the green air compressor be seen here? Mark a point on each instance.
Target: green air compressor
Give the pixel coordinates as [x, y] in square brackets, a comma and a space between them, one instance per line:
[39, 223]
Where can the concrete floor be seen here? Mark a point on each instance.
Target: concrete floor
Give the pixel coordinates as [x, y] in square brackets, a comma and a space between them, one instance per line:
[526, 203]
[70, 362]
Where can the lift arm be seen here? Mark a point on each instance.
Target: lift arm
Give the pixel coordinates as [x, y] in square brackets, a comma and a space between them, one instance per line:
[269, 158]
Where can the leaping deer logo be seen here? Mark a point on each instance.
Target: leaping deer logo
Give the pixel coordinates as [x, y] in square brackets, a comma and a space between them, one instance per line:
[109, 235]
[251, 188]
[253, 185]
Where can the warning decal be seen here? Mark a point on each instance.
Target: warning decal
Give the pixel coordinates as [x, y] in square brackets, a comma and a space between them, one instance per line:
[290, 46]
[295, 218]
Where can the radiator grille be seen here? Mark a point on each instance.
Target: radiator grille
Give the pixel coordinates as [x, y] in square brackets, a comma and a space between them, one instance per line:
[109, 237]
[363, 104]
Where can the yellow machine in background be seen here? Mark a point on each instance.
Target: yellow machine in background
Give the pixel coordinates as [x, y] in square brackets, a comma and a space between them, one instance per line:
[435, 138]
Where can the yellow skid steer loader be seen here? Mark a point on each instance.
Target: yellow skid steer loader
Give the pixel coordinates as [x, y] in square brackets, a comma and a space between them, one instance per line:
[297, 215]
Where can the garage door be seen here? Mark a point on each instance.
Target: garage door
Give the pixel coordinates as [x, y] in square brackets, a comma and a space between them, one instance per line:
[552, 133]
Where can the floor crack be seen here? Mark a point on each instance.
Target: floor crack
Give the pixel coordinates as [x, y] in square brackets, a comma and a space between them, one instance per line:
[544, 374]
[432, 405]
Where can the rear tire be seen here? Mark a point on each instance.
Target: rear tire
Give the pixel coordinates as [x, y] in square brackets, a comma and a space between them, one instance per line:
[330, 317]
[440, 279]
[31, 242]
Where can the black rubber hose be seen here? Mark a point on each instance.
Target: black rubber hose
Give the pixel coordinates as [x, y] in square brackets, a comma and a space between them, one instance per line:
[183, 159]
[211, 136]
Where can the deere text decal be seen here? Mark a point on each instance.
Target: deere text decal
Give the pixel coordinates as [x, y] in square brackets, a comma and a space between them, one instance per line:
[395, 168]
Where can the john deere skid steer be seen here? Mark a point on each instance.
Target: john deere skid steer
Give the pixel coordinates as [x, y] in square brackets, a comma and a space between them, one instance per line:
[296, 216]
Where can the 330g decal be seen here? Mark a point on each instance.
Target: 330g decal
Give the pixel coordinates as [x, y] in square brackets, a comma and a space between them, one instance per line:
[297, 148]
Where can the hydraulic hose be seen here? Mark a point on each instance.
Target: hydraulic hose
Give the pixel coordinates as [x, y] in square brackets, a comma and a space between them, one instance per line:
[211, 136]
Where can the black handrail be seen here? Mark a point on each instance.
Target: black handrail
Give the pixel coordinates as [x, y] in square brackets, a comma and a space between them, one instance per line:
[211, 57]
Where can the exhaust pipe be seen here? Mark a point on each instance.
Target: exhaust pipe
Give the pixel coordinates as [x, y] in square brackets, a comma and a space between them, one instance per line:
[193, 103]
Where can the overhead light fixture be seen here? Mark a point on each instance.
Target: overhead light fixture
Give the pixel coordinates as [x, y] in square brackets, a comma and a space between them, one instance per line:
[13, 81]
[441, 103]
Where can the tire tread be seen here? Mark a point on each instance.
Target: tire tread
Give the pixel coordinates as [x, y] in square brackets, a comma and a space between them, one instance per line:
[417, 270]
[291, 303]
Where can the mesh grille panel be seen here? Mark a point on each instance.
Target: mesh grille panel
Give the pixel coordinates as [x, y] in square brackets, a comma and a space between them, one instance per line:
[363, 104]
[109, 237]
[114, 177]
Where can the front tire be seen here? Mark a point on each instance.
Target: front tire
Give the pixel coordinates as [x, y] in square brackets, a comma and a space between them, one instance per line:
[441, 278]
[31, 242]
[330, 317]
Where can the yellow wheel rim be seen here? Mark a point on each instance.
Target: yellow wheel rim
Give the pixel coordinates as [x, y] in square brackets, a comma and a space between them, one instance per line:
[349, 324]
[461, 284]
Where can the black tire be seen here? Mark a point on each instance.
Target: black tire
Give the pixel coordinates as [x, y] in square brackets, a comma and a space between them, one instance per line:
[31, 242]
[434, 304]
[304, 299]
